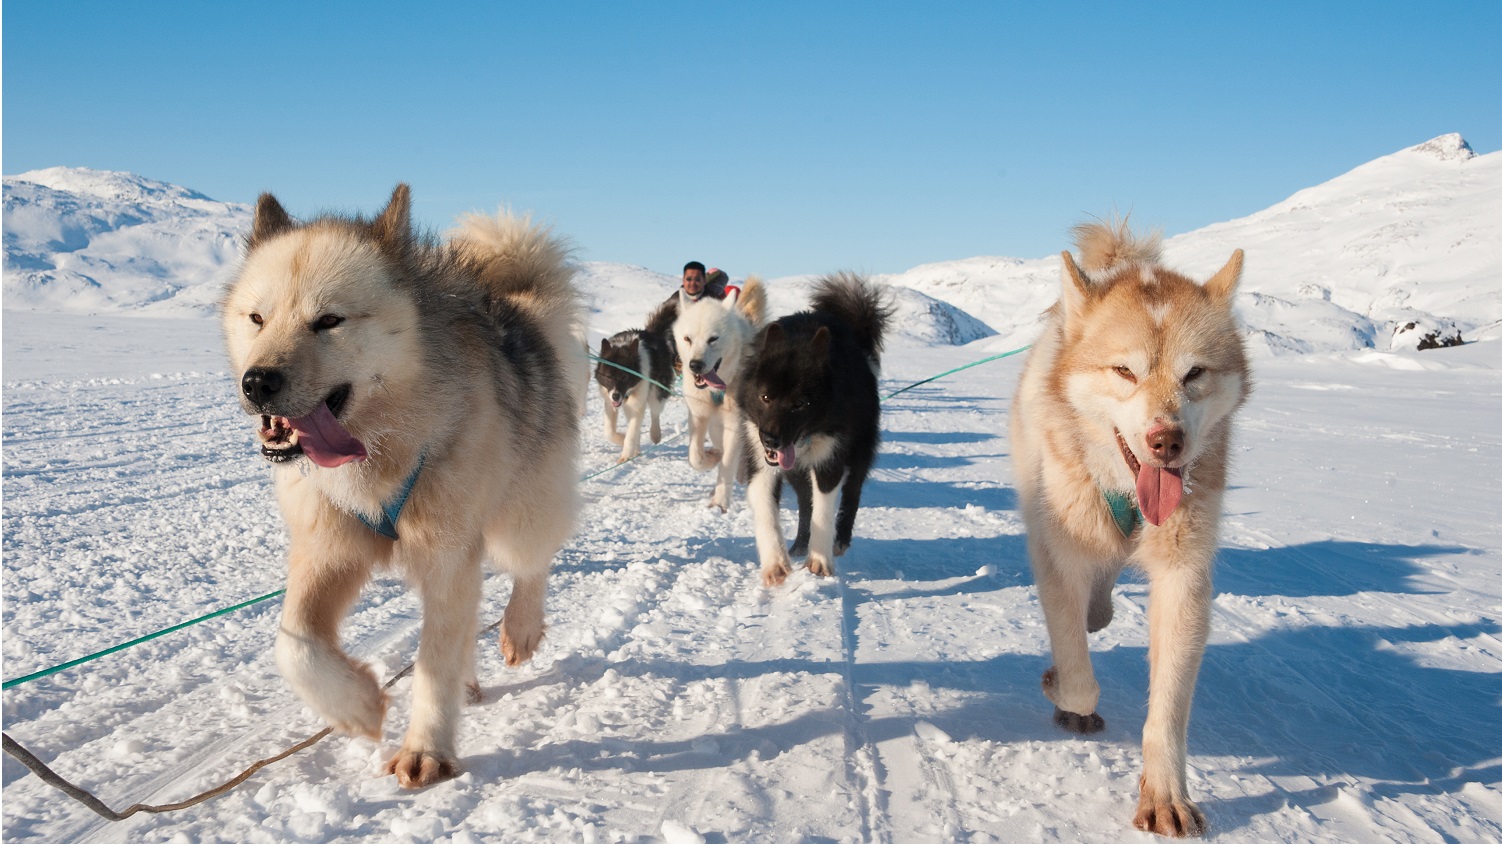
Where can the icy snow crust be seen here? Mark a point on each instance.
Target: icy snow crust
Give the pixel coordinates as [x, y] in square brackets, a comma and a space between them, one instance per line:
[1349, 693]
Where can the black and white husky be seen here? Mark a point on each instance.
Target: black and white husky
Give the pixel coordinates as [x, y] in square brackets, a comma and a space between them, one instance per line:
[625, 358]
[811, 409]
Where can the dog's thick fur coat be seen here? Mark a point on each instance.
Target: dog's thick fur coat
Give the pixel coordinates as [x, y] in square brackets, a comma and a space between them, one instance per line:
[809, 396]
[378, 359]
[1130, 392]
[713, 338]
[625, 357]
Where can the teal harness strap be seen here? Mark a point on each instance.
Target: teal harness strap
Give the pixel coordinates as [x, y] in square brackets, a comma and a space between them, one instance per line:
[392, 510]
[717, 396]
[1124, 511]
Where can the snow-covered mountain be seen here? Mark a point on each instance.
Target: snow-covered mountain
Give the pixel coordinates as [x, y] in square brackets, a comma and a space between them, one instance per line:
[93, 241]
[1400, 249]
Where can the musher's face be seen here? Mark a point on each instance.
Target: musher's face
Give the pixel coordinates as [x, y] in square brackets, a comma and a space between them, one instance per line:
[693, 281]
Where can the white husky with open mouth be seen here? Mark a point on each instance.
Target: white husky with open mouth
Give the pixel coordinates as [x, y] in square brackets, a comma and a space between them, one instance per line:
[418, 400]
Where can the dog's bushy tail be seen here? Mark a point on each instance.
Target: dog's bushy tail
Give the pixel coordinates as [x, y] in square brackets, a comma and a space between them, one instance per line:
[752, 302]
[866, 308]
[1103, 246]
[525, 265]
[661, 321]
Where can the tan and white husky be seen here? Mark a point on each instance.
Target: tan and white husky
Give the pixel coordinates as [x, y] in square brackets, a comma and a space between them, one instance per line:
[714, 339]
[416, 398]
[1120, 429]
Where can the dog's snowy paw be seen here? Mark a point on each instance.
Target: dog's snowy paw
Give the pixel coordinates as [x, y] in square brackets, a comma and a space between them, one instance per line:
[656, 435]
[820, 565]
[422, 768]
[774, 575]
[841, 547]
[1076, 723]
[517, 646]
[472, 693]
[720, 500]
[1176, 818]
[617, 437]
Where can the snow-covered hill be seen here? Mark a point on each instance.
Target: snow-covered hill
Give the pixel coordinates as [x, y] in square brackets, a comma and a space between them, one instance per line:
[1404, 247]
[92, 241]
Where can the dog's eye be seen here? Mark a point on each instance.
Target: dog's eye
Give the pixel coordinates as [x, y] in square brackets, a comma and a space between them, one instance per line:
[766, 399]
[713, 339]
[687, 339]
[1124, 372]
[800, 404]
[257, 319]
[1193, 373]
[327, 321]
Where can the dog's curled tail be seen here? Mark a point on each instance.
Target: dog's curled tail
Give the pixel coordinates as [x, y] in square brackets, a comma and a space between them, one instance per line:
[1104, 246]
[752, 302]
[864, 306]
[526, 265]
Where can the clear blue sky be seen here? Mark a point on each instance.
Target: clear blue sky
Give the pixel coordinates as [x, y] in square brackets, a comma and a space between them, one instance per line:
[774, 138]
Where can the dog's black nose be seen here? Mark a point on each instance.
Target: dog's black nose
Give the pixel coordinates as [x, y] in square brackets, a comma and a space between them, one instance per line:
[261, 385]
[772, 441]
[696, 367]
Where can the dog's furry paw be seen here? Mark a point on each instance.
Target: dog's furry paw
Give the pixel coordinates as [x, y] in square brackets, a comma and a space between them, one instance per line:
[841, 547]
[472, 693]
[820, 565]
[422, 768]
[775, 575]
[656, 435]
[798, 549]
[720, 500]
[1076, 723]
[1176, 818]
[362, 710]
[518, 646]
[617, 437]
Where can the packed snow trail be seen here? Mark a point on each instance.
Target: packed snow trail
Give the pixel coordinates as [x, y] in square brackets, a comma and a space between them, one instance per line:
[1348, 693]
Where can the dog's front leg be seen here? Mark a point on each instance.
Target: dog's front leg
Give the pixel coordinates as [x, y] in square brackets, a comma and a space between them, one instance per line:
[1064, 576]
[319, 593]
[610, 420]
[698, 424]
[445, 657]
[1178, 625]
[821, 523]
[635, 410]
[730, 458]
[761, 494]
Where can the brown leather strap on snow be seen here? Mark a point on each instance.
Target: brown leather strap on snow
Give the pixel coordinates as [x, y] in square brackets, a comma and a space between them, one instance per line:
[87, 798]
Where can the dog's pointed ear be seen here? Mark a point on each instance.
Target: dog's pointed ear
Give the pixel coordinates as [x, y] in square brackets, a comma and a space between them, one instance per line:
[393, 226]
[772, 337]
[604, 346]
[730, 299]
[819, 346]
[1076, 286]
[270, 219]
[1223, 284]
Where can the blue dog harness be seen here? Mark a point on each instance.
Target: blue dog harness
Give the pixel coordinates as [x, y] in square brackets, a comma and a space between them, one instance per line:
[392, 510]
[1124, 511]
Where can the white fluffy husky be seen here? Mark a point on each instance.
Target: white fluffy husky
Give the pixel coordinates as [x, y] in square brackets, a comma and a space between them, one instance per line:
[1120, 429]
[714, 338]
[416, 399]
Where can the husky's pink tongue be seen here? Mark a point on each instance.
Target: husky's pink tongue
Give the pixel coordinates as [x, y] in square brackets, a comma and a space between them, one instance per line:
[712, 378]
[1158, 492]
[324, 440]
[785, 458]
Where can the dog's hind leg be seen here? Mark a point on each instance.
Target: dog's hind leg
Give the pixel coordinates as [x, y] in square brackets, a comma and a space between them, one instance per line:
[320, 591]
[1101, 610]
[655, 404]
[450, 588]
[850, 504]
[803, 485]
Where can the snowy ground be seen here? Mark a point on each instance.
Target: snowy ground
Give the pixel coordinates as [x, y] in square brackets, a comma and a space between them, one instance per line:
[1351, 690]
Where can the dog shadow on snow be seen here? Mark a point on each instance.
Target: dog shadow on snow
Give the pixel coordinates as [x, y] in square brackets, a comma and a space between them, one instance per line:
[1314, 702]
